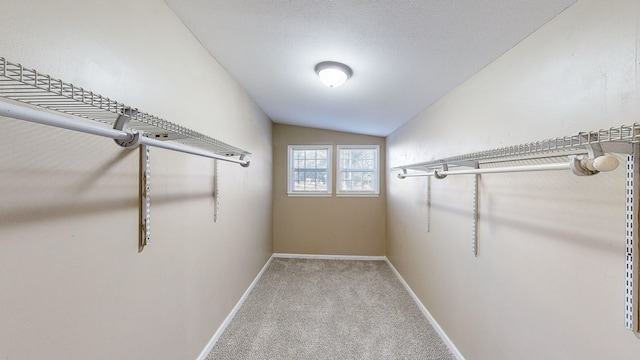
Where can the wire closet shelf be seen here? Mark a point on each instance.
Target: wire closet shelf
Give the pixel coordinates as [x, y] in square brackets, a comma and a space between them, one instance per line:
[593, 143]
[31, 87]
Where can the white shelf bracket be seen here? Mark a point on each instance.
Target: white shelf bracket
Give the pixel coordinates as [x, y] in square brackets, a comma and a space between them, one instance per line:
[428, 215]
[444, 168]
[474, 227]
[632, 245]
[241, 157]
[216, 191]
[122, 123]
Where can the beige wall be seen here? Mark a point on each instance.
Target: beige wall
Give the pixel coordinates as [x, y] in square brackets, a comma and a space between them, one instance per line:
[72, 283]
[549, 281]
[324, 225]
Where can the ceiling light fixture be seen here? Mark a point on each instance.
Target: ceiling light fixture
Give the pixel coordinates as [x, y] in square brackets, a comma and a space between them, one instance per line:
[333, 74]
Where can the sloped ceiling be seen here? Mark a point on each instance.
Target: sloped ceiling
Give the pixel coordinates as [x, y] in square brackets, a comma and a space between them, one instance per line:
[405, 55]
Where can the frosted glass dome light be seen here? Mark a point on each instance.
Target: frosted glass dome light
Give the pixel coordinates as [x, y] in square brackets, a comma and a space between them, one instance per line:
[333, 74]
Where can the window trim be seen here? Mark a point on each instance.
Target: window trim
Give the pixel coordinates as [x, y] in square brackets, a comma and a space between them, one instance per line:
[376, 191]
[290, 171]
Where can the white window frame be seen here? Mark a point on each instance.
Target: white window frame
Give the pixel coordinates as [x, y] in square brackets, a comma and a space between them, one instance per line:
[376, 172]
[291, 191]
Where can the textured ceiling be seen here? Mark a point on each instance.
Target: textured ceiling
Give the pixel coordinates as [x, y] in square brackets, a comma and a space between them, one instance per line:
[405, 55]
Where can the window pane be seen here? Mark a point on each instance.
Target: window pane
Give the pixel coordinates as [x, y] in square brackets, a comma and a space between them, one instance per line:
[358, 171]
[309, 169]
[310, 154]
[310, 164]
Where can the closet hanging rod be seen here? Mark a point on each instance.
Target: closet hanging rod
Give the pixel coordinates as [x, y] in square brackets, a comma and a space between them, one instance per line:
[579, 166]
[27, 114]
[41, 91]
[613, 140]
[51, 119]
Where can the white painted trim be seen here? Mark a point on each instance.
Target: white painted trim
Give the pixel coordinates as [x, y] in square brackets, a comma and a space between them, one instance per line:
[427, 314]
[358, 195]
[376, 171]
[290, 170]
[214, 339]
[328, 257]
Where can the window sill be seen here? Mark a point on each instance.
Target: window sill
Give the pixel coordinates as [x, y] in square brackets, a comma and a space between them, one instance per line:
[309, 195]
[369, 195]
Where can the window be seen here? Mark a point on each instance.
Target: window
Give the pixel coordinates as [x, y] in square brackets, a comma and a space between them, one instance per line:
[309, 170]
[358, 170]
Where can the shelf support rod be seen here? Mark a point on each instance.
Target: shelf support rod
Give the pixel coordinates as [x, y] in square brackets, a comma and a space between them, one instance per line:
[579, 166]
[38, 116]
[190, 150]
[46, 118]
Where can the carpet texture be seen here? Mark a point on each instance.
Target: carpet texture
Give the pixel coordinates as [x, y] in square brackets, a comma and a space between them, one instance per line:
[329, 309]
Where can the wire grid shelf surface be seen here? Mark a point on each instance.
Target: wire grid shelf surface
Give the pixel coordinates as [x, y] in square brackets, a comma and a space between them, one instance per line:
[33, 88]
[579, 141]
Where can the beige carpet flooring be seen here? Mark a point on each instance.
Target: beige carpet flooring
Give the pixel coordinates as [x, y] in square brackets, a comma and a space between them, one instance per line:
[329, 309]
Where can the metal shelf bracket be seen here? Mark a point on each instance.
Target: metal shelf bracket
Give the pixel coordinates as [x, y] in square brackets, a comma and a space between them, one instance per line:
[145, 198]
[216, 191]
[428, 215]
[632, 245]
[474, 216]
[122, 124]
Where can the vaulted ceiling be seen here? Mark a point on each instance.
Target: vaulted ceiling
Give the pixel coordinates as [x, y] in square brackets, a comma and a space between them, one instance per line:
[405, 54]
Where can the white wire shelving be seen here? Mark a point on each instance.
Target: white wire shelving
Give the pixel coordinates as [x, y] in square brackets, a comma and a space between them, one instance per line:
[26, 94]
[30, 87]
[585, 154]
[614, 140]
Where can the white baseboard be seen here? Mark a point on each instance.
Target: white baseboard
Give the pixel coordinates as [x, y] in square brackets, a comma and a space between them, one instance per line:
[227, 320]
[328, 257]
[427, 314]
